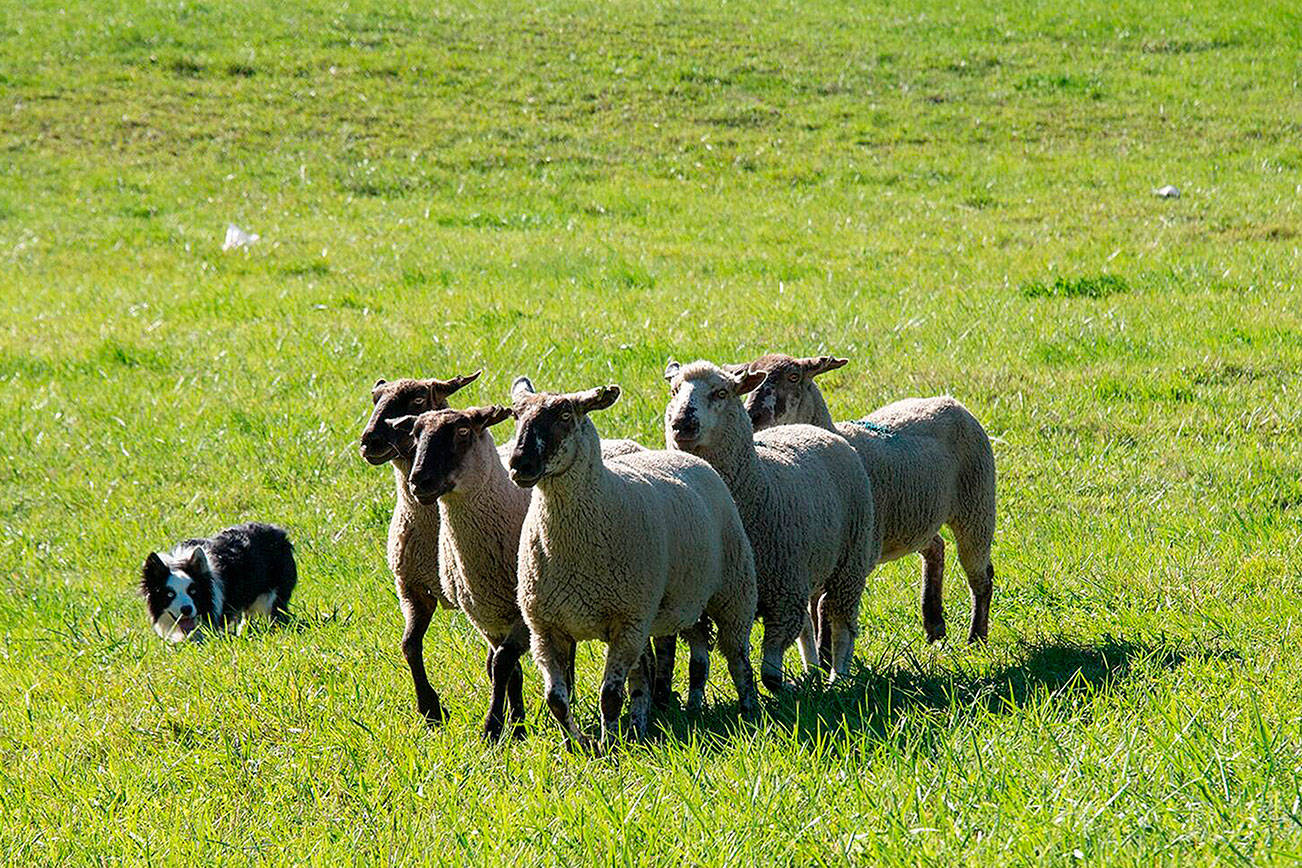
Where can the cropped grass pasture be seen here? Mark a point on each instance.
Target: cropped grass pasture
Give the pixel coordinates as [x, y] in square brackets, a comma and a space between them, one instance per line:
[958, 197]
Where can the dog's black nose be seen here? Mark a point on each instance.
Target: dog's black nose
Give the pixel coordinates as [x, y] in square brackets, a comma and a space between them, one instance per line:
[187, 611]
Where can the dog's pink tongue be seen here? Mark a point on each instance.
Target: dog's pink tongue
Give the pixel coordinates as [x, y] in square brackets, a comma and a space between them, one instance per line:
[186, 625]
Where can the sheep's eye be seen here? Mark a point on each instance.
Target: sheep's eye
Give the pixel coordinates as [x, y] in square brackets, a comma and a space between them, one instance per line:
[418, 402]
[793, 377]
[719, 394]
[463, 432]
[566, 415]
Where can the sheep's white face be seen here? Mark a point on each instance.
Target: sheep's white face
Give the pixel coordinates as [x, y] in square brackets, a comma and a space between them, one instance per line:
[705, 405]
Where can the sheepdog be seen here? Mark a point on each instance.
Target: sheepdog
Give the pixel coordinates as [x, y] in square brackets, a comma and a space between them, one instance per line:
[204, 585]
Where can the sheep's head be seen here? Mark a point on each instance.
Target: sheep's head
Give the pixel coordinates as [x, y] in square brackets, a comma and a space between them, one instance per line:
[402, 398]
[548, 428]
[449, 448]
[788, 395]
[705, 404]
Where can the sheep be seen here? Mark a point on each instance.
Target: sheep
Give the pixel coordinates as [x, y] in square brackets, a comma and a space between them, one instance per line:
[930, 463]
[414, 529]
[806, 504]
[647, 544]
[456, 466]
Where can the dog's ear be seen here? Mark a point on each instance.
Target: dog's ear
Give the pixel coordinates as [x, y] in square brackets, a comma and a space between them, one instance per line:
[197, 563]
[153, 573]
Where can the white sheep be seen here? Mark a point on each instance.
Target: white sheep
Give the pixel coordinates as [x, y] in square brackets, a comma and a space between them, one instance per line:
[414, 529]
[804, 498]
[930, 463]
[647, 544]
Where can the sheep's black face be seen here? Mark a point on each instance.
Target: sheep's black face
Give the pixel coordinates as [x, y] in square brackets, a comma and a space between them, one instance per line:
[785, 395]
[448, 446]
[549, 429]
[544, 426]
[379, 441]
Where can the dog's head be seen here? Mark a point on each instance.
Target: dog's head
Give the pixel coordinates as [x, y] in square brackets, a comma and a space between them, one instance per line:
[178, 591]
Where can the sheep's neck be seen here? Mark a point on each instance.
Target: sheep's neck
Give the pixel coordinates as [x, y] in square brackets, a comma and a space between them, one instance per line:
[414, 513]
[734, 458]
[813, 410]
[485, 512]
[584, 476]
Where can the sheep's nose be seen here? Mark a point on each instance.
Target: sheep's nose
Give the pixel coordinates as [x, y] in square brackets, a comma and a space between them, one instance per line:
[685, 425]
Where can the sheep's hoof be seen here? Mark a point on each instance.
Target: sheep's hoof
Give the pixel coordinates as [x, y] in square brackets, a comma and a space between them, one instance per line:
[695, 699]
[492, 730]
[519, 730]
[435, 715]
[935, 632]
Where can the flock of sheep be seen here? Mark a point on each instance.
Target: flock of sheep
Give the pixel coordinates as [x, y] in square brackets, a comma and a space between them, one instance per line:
[760, 507]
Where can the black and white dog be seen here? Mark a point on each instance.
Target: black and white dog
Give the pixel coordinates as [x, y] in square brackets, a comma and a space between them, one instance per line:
[213, 583]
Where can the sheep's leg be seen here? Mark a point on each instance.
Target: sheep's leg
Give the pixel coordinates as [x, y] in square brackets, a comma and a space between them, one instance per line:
[624, 652]
[518, 642]
[981, 579]
[809, 638]
[734, 645]
[663, 694]
[550, 653]
[640, 681]
[824, 634]
[780, 631]
[569, 670]
[507, 683]
[698, 669]
[933, 577]
[418, 613]
[839, 610]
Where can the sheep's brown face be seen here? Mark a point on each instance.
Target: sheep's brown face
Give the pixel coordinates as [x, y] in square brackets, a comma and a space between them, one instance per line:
[447, 447]
[703, 401]
[786, 396]
[379, 441]
[548, 429]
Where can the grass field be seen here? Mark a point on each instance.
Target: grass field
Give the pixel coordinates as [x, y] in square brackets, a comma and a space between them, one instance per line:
[955, 196]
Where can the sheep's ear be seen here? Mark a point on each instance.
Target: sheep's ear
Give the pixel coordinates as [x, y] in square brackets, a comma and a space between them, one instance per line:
[737, 369]
[403, 425]
[672, 369]
[816, 365]
[154, 572]
[375, 390]
[749, 381]
[198, 560]
[380, 382]
[520, 387]
[447, 387]
[487, 417]
[596, 399]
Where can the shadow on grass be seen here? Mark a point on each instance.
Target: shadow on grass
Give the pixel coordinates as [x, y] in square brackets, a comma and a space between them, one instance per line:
[877, 695]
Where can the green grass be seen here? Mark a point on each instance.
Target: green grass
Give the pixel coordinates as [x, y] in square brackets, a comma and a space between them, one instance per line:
[577, 191]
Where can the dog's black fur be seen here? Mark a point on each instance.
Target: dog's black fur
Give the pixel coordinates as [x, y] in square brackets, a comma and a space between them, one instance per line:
[214, 582]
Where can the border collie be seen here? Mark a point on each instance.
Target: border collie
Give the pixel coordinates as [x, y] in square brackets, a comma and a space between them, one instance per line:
[212, 583]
